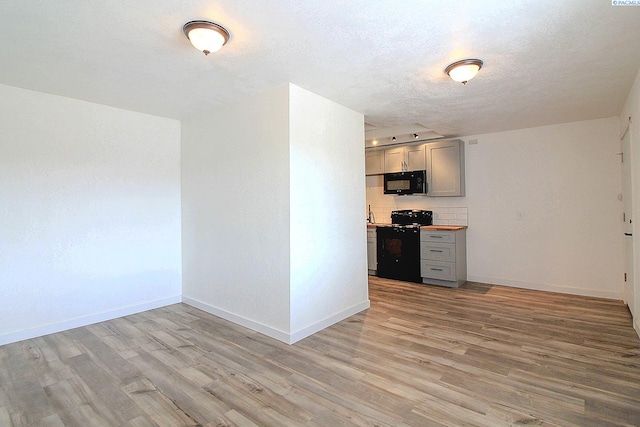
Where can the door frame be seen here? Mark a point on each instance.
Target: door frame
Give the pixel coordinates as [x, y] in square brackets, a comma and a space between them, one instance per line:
[633, 129]
[629, 290]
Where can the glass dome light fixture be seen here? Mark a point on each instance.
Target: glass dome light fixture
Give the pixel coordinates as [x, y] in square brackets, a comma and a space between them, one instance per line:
[464, 70]
[206, 36]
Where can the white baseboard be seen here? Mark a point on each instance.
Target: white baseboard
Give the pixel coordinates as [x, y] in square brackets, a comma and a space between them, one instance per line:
[238, 320]
[273, 332]
[325, 323]
[548, 287]
[85, 320]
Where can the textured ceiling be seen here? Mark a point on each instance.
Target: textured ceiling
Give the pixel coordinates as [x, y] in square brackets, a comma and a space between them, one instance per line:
[546, 62]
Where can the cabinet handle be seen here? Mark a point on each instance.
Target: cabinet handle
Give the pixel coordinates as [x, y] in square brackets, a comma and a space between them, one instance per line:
[436, 237]
[435, 250]
[436, 269]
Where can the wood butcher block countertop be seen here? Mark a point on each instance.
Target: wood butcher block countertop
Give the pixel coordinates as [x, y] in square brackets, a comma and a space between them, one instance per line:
[427, 227]
[444, 227]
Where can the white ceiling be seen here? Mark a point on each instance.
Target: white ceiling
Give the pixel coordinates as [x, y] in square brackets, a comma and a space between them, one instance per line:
[546, 62]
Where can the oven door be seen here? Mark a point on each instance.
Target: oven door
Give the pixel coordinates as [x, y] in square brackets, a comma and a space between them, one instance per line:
[399, 253]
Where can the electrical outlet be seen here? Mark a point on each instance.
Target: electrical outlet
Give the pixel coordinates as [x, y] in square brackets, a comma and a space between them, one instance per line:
[473, 141]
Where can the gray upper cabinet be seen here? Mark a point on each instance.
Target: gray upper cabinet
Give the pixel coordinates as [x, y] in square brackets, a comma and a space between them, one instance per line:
[403, 159]
[445, 168]
[415, 157]
[374, 162]
[394, 159]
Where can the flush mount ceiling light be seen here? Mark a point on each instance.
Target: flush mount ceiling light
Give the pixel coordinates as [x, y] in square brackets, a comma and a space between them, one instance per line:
[206, 36]
[464, 70]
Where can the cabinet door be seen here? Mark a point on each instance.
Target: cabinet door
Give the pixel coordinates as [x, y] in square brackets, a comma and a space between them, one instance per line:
[374, 162]
[394, 159]
[445, 168]
[372, 250]
[439, 270]
[438, 251]
[437, 236]
[415, 157]
[372, 258]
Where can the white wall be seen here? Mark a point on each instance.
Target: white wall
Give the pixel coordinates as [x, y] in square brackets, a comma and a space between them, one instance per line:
[235, 212]
[262, 181]
[90, 208]
[328, 237]
[565, 180]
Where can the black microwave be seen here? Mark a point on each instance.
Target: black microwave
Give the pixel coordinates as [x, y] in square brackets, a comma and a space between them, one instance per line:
[405, 182]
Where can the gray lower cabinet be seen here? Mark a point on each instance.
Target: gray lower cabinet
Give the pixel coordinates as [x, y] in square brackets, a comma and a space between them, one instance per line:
[372, 251]
[443, 257]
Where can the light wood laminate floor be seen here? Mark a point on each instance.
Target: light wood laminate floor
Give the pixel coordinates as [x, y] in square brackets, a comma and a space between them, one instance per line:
[420, 356]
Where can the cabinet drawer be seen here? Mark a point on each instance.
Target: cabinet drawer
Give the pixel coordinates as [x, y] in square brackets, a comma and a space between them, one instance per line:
[437, 236]
[438, 269]
[437, 251]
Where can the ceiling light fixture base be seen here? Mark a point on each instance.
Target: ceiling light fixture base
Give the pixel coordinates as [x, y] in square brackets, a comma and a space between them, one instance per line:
[464, 70]
[206, 36]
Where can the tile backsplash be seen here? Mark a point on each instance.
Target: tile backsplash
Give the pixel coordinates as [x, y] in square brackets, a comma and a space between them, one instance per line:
[445, 211]
[441, 215]
[450, 216]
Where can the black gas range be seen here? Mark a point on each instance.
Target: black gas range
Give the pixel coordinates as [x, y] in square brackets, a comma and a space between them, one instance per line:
[399, 245]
